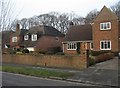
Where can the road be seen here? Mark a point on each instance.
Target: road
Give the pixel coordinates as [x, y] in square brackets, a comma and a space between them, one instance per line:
[10, 79]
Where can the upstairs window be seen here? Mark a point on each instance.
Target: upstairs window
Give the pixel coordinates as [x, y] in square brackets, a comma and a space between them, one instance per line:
[105, 45]
[105, 26]
[26, 37]
[14, 39]
[34, 37]
[71, 46]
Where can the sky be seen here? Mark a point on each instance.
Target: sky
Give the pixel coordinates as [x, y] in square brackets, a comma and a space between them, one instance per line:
[29, 8]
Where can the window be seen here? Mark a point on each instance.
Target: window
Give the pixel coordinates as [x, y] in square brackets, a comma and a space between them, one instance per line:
[91, 46]
[57, 38]
[34, 37]
[14, 39]
[105, 45]
[105, 26]
[71, 46]
[26, 37]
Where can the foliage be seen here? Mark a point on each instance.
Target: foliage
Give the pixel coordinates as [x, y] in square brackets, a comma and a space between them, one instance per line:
[19, 52]
[92, 61]
[60, 53]
[96, 53]
[53, 50]
[104, 57]
[25, 51]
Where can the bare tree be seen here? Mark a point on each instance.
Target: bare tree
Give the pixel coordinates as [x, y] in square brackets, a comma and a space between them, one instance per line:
[116, 9]
[90, 16]
[7, 15]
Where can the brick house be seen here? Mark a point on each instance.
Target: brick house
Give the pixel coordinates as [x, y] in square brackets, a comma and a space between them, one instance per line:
[79, 37]
[17, 37]
[106, 31]
[38, 38]
[12, 39]
[42, 38]
[101, 35]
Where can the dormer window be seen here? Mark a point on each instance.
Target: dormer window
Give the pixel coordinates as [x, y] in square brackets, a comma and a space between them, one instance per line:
[34, 37]
[26, 37]
[105, 26]
[14, 39]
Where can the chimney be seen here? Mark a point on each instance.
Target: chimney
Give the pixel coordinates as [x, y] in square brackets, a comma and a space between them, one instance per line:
[18, 27]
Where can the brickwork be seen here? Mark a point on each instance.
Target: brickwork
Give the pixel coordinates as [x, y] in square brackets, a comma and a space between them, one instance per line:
[83, 46]
[76, 62]
[113, 34]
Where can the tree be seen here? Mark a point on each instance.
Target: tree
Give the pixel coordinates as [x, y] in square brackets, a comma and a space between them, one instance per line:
[7, 15]
[116, 9]
[90, 16]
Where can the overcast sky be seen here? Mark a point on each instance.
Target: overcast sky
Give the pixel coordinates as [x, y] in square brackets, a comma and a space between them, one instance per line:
[29, 8]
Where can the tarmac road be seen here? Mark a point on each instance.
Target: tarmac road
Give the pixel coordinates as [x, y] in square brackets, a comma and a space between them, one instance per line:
[10, 79]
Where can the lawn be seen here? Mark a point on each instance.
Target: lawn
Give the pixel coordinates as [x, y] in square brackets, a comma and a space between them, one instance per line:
[35, 72]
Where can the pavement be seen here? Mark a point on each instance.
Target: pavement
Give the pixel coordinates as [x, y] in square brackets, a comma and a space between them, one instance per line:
[102, 74]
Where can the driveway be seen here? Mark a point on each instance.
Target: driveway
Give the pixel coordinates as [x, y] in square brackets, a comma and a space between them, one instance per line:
[104, 73]
[110, 64]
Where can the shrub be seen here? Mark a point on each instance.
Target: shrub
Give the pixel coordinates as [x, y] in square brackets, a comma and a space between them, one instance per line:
[60, 53]
[104, 57]
[19, 52]
[115, 53]
[53, 50]
[25, 51]
[13, 51]
[96, 53]
[91, 61]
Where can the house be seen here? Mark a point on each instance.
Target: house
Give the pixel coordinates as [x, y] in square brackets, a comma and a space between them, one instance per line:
[79, 37]
[106, 31]
[101, 35]
[12, 39]
[17, 38]
[5, 41]
[39, 38]
[42, 38]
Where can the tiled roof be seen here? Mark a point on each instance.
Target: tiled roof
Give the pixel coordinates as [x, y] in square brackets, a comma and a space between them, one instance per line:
[41, 31]
[45, 30]
[21, 32]
[79, 33]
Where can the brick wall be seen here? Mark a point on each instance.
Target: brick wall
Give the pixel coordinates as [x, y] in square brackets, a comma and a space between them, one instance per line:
[77, 62]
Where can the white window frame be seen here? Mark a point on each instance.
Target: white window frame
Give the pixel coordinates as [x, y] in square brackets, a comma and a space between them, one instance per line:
[105, 42]
[91, 45]
[26, 37]
[105, 24]
[34, 37]
[71, 46]
[14, 39]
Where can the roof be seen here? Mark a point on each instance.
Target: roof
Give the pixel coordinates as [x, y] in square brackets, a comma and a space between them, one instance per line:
[41, 30]
[79, 33]
[21, 32]
[105, 14]
[45, 30]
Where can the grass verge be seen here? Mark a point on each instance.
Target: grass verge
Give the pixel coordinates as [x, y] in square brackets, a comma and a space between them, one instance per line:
[35, 72]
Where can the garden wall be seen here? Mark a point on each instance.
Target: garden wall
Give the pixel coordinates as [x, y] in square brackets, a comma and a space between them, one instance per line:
[62, 61]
